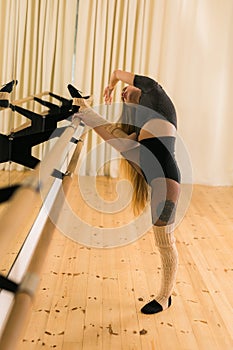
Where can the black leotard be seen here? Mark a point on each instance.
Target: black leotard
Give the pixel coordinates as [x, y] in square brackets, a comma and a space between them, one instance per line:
[157, 154]
[157, 158]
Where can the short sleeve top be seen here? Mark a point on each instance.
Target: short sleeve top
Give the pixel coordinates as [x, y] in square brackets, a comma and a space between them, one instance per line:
[154, 97]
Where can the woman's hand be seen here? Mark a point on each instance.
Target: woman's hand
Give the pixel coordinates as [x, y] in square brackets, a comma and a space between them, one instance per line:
[108, 94]
[117, 75]
[91, 118]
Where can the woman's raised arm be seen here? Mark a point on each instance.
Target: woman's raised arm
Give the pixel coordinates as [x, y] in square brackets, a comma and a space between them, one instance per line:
[117, 75]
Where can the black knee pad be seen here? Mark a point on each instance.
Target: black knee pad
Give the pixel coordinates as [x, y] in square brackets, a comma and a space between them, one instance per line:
[165, 211]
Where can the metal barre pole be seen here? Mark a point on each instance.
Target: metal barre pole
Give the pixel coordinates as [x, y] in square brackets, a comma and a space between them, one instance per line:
[24, 297]
[30, 98]
[16, 214]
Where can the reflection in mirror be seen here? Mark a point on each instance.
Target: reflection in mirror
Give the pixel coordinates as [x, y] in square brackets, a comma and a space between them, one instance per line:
[13, 178]
[37, 56]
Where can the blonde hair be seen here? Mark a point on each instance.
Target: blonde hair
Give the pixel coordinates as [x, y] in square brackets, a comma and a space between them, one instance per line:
[124, 126]
[140, 186]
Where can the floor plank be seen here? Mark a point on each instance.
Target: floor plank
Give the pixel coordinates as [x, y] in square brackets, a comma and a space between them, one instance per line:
[91, 298]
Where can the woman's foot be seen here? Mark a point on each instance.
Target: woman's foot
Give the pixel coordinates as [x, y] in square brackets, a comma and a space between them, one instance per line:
[153, 307]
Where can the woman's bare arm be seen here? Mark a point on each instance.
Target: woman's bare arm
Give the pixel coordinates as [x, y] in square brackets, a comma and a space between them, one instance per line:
[117, 75]
[120, 75]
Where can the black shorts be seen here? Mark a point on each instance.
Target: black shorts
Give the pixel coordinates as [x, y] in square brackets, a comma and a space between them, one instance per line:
[157, 159]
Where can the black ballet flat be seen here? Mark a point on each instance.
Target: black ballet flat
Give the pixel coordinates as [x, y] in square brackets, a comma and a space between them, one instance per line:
[153, 307]
[75, 93]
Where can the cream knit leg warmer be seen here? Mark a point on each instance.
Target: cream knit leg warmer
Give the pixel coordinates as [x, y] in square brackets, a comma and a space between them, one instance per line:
[165, 241]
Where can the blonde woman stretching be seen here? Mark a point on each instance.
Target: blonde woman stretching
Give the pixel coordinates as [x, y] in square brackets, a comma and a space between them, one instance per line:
[145, 136]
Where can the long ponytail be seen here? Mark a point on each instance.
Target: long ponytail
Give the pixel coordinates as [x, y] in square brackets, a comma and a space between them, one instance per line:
[140, 187]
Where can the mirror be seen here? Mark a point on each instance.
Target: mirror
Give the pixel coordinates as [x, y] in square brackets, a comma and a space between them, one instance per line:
[35, 69]
[40, 121]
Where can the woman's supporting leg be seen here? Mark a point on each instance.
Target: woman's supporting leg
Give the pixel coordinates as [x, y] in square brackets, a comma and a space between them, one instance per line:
[164, 198]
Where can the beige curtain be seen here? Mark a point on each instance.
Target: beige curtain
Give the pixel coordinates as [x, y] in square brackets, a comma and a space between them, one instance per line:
[187, 46]
[37, 46]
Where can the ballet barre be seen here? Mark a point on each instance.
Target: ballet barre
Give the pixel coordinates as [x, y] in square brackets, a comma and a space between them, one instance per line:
[50, 179]
[17, 145]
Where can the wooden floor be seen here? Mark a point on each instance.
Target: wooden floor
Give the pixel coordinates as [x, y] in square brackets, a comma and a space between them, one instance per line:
[91, 298]
[9, 178]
